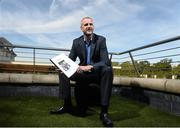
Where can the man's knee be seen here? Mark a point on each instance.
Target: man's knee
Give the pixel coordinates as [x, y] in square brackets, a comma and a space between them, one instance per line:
[107, 69]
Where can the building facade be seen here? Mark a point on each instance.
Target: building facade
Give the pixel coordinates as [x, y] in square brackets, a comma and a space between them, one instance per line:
[6, 53]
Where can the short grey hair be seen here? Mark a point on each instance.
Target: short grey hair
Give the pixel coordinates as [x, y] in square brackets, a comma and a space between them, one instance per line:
[87, 17]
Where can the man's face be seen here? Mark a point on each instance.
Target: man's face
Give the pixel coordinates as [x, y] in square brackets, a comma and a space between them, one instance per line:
[87, 26]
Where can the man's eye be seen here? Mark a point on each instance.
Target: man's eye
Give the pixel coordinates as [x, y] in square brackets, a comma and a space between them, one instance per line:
[90, 24]
[85, 24]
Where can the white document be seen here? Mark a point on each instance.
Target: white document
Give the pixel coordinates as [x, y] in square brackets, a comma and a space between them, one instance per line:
[65, 64]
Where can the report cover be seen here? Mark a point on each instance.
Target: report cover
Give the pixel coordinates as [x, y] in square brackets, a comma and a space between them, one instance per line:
[65, 64]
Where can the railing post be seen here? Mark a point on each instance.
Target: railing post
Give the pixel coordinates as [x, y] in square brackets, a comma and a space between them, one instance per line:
[34, 59]
[135, 67]
[110, 56]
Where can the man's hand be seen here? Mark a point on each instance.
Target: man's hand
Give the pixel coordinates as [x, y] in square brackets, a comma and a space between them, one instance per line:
[87, 68]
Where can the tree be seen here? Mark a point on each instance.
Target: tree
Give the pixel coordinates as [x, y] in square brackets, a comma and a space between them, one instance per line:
[127, 69]
[176, 71]
[163, 68]
[115, 63]
[143, 67]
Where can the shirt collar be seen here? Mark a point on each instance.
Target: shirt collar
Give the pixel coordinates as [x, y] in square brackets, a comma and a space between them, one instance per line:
[85, 38]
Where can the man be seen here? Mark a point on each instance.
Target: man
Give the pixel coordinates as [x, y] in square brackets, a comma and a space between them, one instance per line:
[94, 66]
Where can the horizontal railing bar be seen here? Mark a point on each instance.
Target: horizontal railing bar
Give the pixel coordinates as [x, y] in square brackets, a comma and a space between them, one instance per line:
[36, 53]
[150, 45]
[113, 53]
[30, 47]
[148, 53]
[158, 57]
[155, 52]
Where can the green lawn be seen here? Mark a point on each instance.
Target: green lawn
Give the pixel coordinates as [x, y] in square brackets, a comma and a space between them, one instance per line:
[34, 111]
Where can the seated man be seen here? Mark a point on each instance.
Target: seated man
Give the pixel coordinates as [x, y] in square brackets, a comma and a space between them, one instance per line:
[94, 67]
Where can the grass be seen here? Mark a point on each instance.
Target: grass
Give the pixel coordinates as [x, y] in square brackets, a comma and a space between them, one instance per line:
[34, 111]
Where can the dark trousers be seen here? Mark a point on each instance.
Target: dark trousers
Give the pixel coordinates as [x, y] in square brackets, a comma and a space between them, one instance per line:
[102, 76]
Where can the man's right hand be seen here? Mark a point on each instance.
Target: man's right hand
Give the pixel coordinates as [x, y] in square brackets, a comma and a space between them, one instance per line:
[86, 68]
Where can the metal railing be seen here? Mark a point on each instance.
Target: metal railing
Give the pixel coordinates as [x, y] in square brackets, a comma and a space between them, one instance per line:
[40, 55]
[167, 52]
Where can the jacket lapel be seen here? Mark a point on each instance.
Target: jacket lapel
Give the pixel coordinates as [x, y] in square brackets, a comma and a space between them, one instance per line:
[93, 43]
[83, 47]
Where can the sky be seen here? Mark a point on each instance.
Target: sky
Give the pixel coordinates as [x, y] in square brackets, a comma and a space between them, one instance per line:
[126, 24]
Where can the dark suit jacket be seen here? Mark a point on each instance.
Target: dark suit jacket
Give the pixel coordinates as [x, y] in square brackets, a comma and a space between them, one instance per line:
[99, 52]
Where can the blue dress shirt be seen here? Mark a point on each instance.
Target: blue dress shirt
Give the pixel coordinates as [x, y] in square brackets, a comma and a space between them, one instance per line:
[88, 51]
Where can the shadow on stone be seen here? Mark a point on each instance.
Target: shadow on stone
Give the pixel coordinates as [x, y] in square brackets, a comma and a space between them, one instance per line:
[135, 93]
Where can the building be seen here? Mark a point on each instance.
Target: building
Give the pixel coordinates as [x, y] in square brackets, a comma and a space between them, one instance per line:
[6, 53]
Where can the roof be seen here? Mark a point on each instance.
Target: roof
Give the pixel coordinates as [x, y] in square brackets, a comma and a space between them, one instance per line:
[4, 41]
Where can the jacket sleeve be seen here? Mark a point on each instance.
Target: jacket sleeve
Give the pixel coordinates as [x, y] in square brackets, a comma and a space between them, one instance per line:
[104, 58]
[73, 54]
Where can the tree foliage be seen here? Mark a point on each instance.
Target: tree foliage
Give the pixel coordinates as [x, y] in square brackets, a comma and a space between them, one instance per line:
[162, 69]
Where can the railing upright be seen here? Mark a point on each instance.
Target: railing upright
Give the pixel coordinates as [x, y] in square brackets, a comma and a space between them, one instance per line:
[134, 65]
[34, 59]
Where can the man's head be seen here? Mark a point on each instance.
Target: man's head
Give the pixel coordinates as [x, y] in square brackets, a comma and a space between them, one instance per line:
[87, 26]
